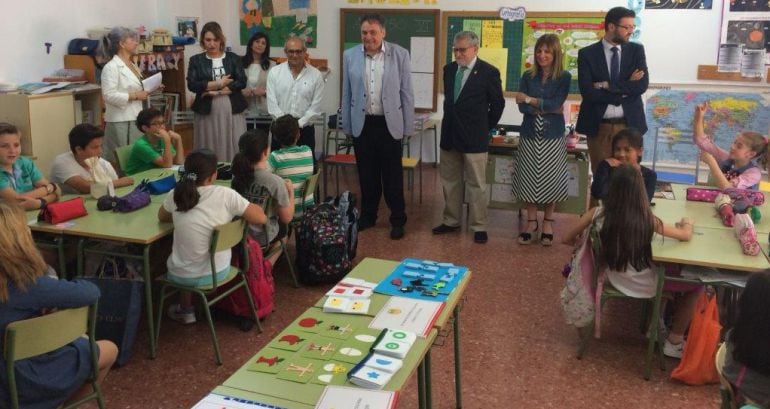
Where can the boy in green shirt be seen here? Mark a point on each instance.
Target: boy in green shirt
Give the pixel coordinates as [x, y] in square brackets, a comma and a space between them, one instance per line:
[150, 151]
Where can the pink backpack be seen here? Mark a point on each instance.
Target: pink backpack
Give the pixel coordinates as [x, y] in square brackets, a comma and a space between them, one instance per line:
[260, 282]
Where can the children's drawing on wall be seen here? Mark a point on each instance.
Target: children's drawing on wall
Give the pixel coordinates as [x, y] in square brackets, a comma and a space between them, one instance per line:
[749, 5]
[187, 27]
[396, 2]
[279, 19]
[678, 4]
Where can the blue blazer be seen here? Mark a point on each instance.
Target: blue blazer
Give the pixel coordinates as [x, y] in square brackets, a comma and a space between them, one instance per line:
[592, 67]
[397, 93]
[551, 96]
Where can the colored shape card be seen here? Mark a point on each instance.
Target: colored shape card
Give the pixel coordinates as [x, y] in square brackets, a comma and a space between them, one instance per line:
[332, 373]
[338, 330]
[370, 378]
[309, 322]
[349, 291]
[217, 401]
[345, 305]
[268, 360]
[422, 279]
[408, 314]
[320, 348]
[298, 369]
[345, 397]
[351, 353]
[384, 363]
[289, 340]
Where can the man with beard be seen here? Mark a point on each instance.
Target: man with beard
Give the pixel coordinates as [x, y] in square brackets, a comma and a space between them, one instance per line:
[612, 75]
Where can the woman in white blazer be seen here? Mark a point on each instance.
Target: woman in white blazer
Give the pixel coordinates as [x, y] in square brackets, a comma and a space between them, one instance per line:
[122, 90]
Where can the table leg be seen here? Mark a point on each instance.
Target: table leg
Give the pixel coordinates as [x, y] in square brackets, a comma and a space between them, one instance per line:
[458, 379]
[435, 146]
[428, 386]
[421, 385]
[148, 298]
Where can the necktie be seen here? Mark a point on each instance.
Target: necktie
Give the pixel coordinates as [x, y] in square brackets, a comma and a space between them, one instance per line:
[614, 65]
[459, 81]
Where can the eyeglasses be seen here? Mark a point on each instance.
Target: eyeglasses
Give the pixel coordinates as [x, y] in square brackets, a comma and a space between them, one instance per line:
[627, 28]
[294, 52]
[461, 50]
[158, 123]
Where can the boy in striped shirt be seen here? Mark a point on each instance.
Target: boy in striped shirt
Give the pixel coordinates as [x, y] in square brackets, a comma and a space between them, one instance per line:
[291, 161]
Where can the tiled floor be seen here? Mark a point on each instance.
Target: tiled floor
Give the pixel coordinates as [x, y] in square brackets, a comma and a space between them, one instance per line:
[517, 352]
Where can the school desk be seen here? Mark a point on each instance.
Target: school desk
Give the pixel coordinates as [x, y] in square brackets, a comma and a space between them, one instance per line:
[140, 227]
[375, 270]
[255, 385]
[709, 247]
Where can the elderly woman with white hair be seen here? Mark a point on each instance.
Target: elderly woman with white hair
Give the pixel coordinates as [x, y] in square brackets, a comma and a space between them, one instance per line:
[122, 89]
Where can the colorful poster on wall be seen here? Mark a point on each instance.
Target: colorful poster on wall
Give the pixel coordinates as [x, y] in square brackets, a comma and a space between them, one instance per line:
[748, 25]
[394, 2]
[678, 4]
[280, 19]
[574, 34]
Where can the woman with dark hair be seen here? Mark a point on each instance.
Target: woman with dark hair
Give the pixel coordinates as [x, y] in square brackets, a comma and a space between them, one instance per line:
[257, 63]
[122, 90]
[747, 361]
[217, 79]
[541, 166]
[196, 206]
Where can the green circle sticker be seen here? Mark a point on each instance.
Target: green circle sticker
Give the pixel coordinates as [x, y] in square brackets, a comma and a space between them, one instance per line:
[399, 335]
[391, 345]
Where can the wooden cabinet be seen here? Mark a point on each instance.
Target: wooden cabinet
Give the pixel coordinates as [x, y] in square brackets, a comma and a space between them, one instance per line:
[45, 120]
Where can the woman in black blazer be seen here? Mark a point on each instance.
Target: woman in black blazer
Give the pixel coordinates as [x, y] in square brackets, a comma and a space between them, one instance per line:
[217, 78]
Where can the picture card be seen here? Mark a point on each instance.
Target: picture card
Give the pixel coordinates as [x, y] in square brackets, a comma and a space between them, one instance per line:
[408, 314]
[217, 401]
[332, 373]
[370, 378]
[289, 340]
[298, 369]
[345, 305]
[345, 397]
[269, 360]
[320, 348]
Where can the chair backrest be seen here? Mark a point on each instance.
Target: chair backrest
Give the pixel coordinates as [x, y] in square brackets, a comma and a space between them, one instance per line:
[309, 188]
[122, 153]
[225, 237]
[39, 335]
[726, 388]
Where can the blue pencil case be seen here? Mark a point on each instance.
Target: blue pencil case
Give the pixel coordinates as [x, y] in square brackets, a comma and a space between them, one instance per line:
[160, 186]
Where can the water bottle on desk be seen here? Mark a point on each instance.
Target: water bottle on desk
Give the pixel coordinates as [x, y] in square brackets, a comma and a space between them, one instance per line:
[572, 137]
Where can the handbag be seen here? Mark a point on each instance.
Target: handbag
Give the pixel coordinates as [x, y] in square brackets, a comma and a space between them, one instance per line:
[160, 186]
[82, 46]
[137, 199]
[120, 304]
[63, 211]
[697, 365]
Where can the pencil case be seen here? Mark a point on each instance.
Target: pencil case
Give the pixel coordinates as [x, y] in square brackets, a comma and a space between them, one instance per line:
[63, 211]
[700, 194]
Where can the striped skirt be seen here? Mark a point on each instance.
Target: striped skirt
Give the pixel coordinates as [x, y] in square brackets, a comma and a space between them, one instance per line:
[541, 170]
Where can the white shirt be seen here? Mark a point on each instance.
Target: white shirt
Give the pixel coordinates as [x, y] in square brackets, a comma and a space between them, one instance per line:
[613, 111]
[192, 230]
[118, 80]
[467, 72]
[66, 167]
[375, 68]
[217, 68]
[299, 97]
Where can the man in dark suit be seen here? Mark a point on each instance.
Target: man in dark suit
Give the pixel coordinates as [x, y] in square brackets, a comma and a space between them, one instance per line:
[473, 103]
[612, 75]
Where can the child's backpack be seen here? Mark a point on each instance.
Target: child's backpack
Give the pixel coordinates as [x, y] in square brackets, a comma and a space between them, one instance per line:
[578, 295]
[260, 282]
[327, 239]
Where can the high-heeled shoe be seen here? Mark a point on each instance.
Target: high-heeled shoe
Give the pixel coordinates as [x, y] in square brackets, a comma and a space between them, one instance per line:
[527, 237]
[546, 239]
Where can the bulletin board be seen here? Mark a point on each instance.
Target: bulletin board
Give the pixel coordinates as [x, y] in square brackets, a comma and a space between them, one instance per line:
[509, 45]
[416, 30]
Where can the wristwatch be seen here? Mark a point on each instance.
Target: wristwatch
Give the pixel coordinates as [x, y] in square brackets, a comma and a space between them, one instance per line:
[527, 100]
[43, 203]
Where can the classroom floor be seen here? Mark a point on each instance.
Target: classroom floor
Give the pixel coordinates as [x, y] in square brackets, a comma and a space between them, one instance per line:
[516, 350]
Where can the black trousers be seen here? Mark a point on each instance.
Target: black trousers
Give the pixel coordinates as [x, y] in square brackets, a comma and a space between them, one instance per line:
[378, 157]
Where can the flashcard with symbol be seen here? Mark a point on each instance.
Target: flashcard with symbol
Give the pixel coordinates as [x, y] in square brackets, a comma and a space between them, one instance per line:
[384, 363]
[289, 341]
[320, 348]
[332, 373]
[269, 360]
[370, 378]
[299, 370]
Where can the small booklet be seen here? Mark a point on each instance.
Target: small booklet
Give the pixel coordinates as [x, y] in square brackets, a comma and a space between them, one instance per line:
[217, 401]
[395, 343]
[408, 314]
[345, 397]
[370, 378]
[347, 305]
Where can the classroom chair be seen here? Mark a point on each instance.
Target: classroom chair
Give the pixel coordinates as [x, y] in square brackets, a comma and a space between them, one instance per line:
[280, 248]
[224, 237]
[726, 389]
[36, 336]
[650, 323]
[410, 164]
[333, 163]
[122, 153]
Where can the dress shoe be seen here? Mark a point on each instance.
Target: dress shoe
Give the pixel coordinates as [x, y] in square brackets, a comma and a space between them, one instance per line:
[396, 232]
[443, 228]
[480, 237]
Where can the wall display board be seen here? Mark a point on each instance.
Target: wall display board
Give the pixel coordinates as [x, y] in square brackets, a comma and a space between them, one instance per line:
[510, 45]
[416, 30]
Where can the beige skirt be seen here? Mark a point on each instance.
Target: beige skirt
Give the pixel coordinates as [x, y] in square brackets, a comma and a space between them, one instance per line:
[219, 130]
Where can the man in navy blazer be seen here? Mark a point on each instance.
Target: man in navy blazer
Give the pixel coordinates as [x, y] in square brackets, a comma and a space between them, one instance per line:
[378, 110]
[473, 103]
[612, 75]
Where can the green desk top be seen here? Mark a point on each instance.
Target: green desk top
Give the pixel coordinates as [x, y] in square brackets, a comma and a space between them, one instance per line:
[710, 248]
[258, 383]
[375, 270]
[140, 226]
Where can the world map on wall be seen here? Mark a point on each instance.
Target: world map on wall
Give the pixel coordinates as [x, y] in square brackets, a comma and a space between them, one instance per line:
[670, 114]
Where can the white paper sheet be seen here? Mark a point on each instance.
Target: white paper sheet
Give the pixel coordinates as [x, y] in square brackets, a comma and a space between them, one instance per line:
[343, 397]
[572, 179]
[216, 401]
[152, 83]
[422, 54]
[423, 90]
[408, 314]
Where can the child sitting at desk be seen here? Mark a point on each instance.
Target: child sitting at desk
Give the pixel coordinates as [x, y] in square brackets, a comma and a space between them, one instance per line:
[70, 169]
[627, 149]
[292, 161]
[626, 227]
[257, 184]
[158, 147]
[196, 206]
[20, 180]
[747, 361]
[48, 380]
[735, 168]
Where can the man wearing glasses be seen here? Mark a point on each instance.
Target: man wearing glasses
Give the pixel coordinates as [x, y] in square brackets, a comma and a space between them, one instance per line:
[378, 110]
[295, 88]
[612, 75]
[473, 103]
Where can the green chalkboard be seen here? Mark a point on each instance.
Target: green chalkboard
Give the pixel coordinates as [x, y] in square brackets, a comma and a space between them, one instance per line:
[575, 31]
[404, 27]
